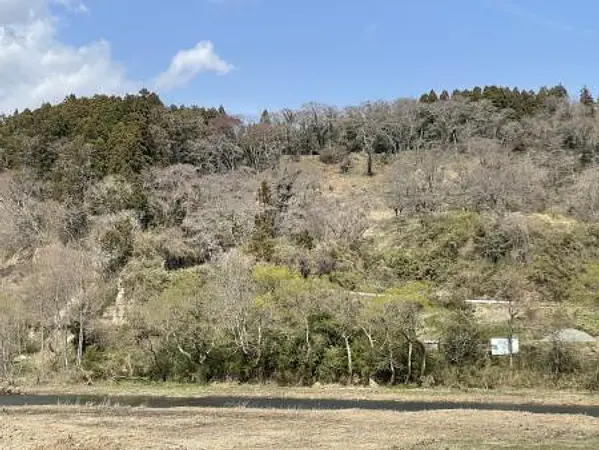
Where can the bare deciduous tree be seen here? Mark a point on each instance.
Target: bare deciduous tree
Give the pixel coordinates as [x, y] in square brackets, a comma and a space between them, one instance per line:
[347, 309]
[64, 282]
[234, 291]
[12, 333]
[494, 180]
[333, 220]
[25, 222]
[581, 198]
[418, 183]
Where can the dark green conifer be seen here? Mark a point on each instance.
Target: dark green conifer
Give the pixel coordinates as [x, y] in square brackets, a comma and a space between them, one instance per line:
[587, 100]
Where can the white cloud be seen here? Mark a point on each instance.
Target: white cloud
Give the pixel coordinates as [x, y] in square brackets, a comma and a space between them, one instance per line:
[19, 11]
[73, 5]
[187, 64]
[36, 67]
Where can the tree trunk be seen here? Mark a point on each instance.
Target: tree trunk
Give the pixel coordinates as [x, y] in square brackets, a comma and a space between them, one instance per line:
[369, 336]
[391, 367]
[369, 171]
[371, 342]
[512, 319]
[511, 355]
[410, 352]
[350, 369]
[65, 337]
[308, 345]
[4, 367]
[80, 343]
[259, 350]
[259, 353]
[423, 364]
[43, 351]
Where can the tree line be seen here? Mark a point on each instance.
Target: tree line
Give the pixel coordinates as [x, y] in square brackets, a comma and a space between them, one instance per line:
[83, 140]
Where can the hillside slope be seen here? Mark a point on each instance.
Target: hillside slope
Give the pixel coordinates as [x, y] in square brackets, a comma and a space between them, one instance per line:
[318, 245]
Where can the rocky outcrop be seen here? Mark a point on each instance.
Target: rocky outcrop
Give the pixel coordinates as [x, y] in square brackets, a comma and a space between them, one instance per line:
[115, 314]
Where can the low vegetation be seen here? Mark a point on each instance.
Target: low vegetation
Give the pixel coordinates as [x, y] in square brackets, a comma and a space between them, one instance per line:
[146, 242]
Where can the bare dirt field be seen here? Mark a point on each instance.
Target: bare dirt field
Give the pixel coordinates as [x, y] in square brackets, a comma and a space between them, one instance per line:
[111, 428]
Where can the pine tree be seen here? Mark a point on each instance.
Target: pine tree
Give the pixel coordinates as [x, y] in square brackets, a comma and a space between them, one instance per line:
[261, 241]
[444, 96]
[265, 118]
[587, 100]
[431, 97]
[559, 91]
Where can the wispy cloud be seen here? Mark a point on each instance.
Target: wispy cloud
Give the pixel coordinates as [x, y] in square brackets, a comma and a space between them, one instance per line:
[73, 5]
[187, 64]
[536, 18]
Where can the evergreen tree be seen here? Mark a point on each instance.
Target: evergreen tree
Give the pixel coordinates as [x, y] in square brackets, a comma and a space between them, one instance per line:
[432, 96]
[261, 242]
[543, 92]
[587, 100]
[444, 96]
[559, 91]
[265, 118]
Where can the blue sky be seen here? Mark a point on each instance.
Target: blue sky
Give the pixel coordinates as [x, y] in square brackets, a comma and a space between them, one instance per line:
[287, 53]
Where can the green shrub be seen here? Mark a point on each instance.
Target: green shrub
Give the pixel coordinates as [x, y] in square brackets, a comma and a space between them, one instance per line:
[118, 244]
[555, 262]
[461, 339]
[584, 287]
[333, 366]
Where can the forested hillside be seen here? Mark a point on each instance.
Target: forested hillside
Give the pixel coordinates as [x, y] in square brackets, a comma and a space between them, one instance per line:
[139, 240]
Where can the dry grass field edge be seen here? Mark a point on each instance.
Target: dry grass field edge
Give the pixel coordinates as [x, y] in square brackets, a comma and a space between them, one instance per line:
[111, 428]
[533, 396]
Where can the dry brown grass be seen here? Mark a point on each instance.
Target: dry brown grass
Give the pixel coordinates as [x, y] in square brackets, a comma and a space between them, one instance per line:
[62, 428]
[536, 396]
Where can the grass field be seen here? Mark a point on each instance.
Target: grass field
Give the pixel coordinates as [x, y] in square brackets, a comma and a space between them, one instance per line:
[536, 396]
[111, 428]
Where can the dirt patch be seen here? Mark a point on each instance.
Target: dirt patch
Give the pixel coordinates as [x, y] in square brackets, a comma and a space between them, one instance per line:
[61, 428]
[555, 221]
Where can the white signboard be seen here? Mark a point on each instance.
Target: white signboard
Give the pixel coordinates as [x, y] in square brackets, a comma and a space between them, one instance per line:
[501, 346]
